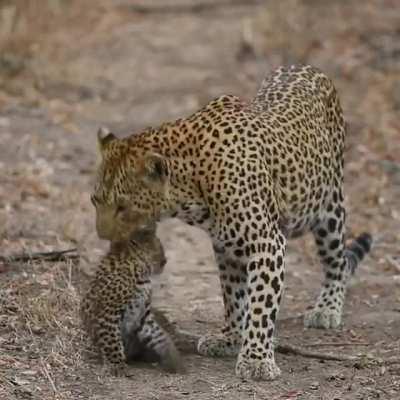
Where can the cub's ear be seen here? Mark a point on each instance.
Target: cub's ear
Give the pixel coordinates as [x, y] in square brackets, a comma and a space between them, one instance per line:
[152, 169]
[104, 136]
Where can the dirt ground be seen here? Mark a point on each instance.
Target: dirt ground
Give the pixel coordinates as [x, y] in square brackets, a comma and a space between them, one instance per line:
[129, 65]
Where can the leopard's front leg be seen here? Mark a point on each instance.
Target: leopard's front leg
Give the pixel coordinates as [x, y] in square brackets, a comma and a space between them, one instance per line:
[252, 289]
[252, 283]
[233, 280]
[250, 249]
[265, 275]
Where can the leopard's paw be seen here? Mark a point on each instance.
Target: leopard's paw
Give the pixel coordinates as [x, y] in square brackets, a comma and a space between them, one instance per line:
[217, 345]
[323, 318]
[256, 369]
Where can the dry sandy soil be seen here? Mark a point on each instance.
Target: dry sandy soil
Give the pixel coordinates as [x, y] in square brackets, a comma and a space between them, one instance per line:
[129, 66]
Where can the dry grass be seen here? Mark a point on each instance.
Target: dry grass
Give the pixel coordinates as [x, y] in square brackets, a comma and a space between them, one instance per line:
[40, 330]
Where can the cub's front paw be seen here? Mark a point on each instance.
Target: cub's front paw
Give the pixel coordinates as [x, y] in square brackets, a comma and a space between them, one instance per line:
[117, 369]
[323, 318]
[217, 345]
[256, 369]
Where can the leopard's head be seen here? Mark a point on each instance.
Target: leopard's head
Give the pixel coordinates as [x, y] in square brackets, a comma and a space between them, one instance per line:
[131, 189]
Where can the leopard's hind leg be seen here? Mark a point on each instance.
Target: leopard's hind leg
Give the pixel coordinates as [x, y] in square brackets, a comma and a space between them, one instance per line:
[339, 264]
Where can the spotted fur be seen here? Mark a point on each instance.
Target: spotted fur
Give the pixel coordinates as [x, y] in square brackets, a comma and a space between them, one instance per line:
[116, 310]
[252, 175]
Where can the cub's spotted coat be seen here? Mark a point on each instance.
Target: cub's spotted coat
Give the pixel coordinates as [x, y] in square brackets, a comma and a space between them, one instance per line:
[252, 175]
[116, 308]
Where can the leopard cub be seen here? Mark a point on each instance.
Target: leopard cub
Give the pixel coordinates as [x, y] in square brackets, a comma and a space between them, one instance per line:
[116, 308]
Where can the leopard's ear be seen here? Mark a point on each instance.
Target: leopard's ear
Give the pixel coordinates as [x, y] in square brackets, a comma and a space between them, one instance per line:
[104, 136]
[152, 170]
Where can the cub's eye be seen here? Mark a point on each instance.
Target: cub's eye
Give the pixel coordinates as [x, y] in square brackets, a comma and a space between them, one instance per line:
[121, 208]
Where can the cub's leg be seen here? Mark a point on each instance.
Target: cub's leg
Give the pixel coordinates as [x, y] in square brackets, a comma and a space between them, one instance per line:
[233, 284]
[339, 264]
[109, 341]
[159, 345]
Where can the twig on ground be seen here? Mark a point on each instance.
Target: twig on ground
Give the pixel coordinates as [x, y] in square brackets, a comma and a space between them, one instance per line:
[48, 376]
[57, 255]
[289, 349]
[337, 344]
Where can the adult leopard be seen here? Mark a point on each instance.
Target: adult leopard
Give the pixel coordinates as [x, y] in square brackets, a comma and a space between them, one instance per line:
[252, 175]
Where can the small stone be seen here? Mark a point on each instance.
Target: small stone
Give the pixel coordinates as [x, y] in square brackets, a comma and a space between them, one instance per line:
[314, 385]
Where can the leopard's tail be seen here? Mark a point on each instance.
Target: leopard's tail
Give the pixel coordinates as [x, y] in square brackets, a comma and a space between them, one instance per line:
[357, 250]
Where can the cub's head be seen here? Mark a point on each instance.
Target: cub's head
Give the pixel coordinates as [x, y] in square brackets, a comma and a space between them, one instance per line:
[131, 189]
[151, 248]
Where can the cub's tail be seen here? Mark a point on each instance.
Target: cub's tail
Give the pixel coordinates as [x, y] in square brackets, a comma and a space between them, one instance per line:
[357, 250]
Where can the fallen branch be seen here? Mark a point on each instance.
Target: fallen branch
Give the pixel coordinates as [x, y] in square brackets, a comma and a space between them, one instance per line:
[60, 255]
[190, 341]
[198, 7]
[187, 342]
